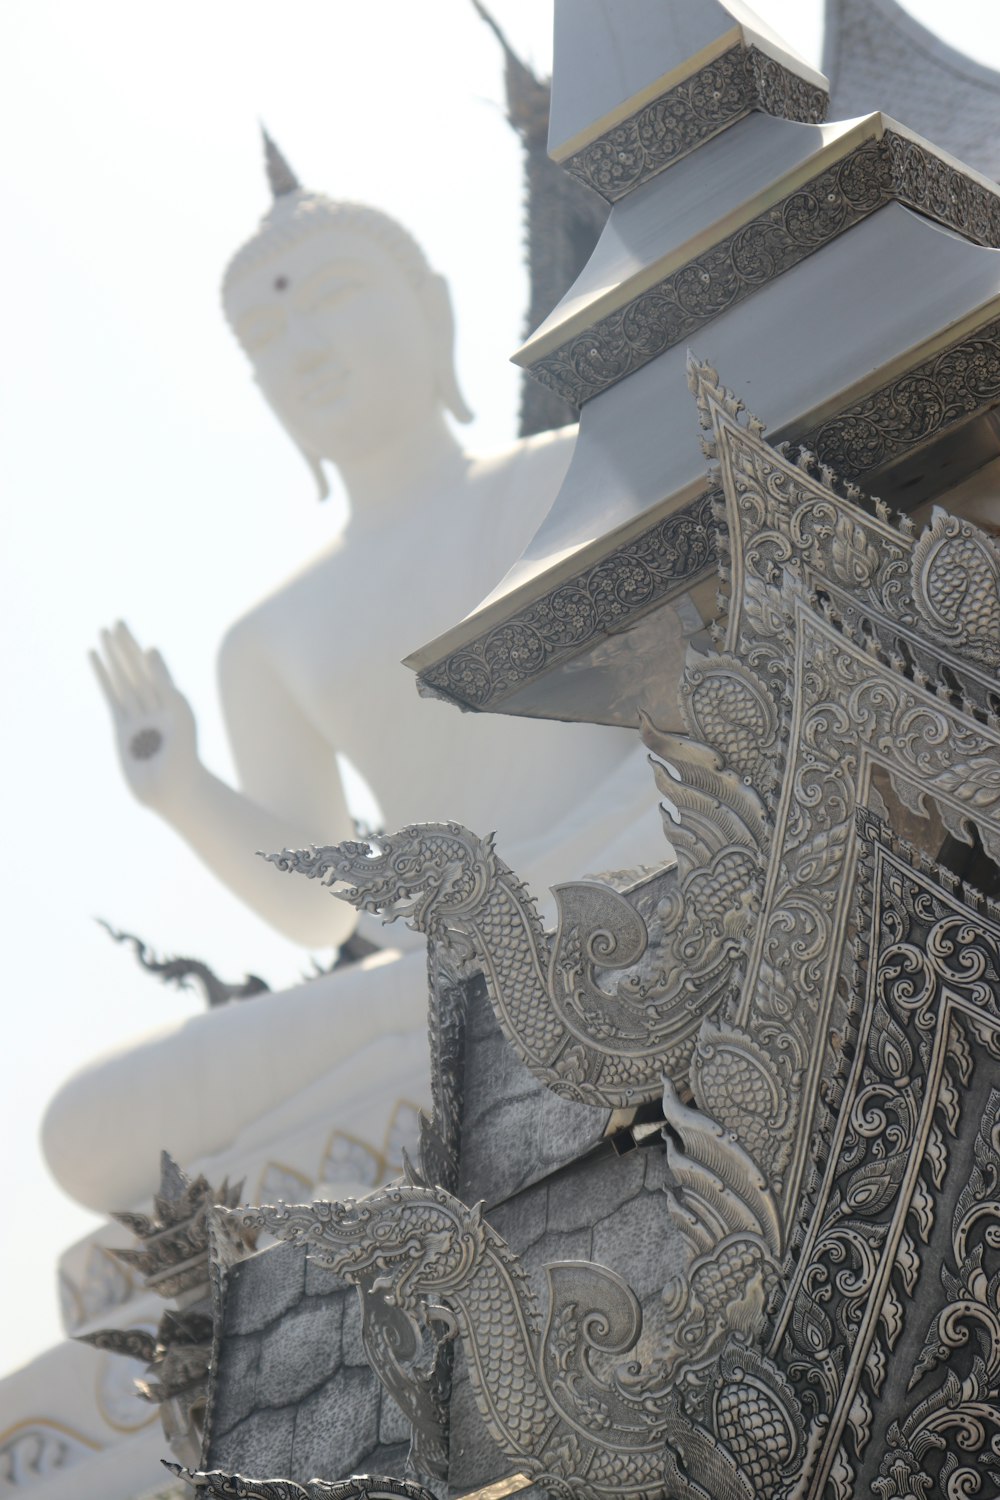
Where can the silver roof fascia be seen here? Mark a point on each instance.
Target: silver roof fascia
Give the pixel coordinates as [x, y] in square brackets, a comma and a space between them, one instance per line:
[865, 306]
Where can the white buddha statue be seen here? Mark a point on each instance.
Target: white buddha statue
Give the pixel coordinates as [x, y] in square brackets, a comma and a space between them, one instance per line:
[349, 333]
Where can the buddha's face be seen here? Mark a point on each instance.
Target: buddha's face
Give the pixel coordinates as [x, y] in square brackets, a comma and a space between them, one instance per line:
[340, 342]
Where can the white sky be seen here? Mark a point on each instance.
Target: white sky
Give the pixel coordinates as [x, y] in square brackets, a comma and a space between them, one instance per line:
[141, 475]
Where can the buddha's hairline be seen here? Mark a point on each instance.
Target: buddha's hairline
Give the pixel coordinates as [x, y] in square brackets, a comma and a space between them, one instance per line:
[313, 215]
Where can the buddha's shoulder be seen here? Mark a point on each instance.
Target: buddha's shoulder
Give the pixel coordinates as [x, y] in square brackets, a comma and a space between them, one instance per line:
[540, 459]
[513, 491]
[260, 630]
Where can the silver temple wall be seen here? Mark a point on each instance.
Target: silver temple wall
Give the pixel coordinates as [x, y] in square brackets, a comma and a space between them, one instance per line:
[841, 1112]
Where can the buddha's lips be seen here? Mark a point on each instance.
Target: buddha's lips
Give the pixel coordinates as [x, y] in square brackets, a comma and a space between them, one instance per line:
[324, 388]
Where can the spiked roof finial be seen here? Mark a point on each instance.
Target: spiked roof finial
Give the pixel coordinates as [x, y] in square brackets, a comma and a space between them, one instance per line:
[280, 176]
[527, 96]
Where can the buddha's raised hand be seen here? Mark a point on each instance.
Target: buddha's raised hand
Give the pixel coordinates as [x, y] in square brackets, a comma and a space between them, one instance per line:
[154, 725]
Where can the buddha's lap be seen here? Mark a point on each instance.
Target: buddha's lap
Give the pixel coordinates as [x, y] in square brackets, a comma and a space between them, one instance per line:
[246, 1070]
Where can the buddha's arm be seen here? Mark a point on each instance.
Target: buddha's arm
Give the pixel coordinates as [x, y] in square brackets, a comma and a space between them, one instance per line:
[287, 767]
[291, 797]
[226, 828]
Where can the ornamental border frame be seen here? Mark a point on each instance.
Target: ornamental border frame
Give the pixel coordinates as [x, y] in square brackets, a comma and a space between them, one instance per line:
[889, 168]
[791, 538]
[676, 123]
[936, 1098]
[939, 392]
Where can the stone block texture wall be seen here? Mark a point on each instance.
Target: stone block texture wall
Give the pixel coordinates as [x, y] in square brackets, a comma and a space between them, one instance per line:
[294, 1395]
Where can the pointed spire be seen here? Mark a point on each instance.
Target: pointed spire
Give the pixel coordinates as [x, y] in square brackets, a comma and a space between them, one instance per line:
[280, 176]
[494, 27]
[527, 96]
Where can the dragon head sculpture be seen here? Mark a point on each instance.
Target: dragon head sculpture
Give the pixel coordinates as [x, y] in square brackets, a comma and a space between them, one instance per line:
[430, 874]
[410, 1244]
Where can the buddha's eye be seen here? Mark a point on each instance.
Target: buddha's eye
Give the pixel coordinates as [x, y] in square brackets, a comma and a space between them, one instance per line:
[280, 283]
[335, 292]
[256, 332]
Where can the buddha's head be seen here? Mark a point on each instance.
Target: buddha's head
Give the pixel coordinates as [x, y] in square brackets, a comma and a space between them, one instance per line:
[349, 331]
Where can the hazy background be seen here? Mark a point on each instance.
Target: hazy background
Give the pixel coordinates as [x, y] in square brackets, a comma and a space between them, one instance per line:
[141, 475]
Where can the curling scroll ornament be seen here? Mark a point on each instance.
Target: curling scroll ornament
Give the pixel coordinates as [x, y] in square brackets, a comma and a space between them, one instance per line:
[603, 1009]
[890, 1329]
[878, 659]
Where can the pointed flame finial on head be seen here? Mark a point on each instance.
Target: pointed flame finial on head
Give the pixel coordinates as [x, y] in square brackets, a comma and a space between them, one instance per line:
[280, 176]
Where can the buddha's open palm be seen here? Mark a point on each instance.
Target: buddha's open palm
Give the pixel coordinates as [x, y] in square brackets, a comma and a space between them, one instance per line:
[154, 725]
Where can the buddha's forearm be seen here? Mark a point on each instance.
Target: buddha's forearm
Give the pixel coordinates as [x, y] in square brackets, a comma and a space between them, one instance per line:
[226, 829]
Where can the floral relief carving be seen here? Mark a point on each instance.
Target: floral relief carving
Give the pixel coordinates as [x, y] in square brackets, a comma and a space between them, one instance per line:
[837, 613]
[949, 1437]
[928, 1015]
[696, 109]
[887, 168]
[668, 312]
[661, 563]
[891, 421]
[962, 379]
[956, 581]
[828, 1114]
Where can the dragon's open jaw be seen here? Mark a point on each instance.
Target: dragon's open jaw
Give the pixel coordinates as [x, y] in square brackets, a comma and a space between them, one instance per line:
[377, 878]
[350, 1237]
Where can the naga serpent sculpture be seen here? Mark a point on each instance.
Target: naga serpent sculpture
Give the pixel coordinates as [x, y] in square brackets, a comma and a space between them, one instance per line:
[607, 1046]
[559, 1393]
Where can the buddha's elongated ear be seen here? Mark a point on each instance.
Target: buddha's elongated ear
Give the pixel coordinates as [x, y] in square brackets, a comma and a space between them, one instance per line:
[316, 469]
[313, 461]
[441, 327]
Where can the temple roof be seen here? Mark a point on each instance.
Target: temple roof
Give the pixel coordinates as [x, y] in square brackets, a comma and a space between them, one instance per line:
[844, 270]
[876, 56]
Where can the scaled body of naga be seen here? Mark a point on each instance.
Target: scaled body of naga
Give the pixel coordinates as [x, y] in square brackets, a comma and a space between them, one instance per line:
[559, 1393]
[604, 1043]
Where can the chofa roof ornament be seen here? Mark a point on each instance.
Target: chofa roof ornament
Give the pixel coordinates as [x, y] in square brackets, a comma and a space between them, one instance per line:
[281, 179]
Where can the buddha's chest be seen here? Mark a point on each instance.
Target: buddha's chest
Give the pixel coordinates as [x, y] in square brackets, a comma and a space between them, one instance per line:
[336, 636]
